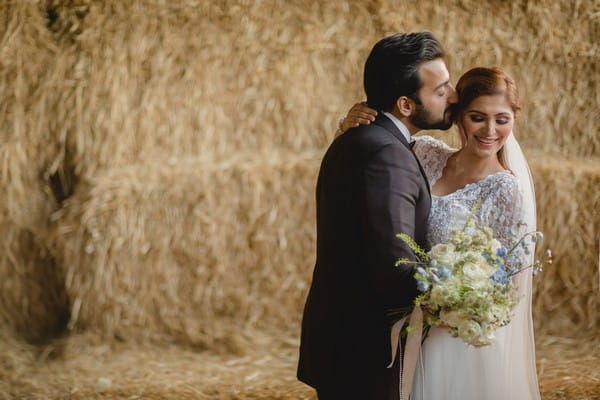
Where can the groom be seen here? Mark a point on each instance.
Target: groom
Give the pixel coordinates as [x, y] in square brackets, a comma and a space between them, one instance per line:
[371, 187]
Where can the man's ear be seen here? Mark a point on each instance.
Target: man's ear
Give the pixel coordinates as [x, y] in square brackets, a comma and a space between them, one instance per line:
[405, 106]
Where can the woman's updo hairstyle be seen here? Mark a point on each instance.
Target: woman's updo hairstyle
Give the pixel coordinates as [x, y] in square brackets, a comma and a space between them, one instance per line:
[484, 82]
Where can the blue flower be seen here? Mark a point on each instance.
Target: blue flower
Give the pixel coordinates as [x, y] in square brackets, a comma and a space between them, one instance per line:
[433, 263]
[501, 252]
[501, 266]
[500, 277]
[443, 272]
[422, 286]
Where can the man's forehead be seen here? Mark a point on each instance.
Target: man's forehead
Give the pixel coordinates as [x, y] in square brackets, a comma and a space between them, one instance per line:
[434, 72]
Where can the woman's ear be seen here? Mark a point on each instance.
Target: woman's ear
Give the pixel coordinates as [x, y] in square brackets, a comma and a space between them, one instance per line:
[405, 106]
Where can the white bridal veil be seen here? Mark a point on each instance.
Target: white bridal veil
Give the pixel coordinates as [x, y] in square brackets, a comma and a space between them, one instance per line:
[520, 345]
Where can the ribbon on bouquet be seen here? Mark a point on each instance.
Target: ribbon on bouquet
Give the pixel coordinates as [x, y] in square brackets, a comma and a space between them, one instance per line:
[412, 349]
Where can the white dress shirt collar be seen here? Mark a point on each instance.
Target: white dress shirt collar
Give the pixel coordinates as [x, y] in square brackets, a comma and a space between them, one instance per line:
[400, 126]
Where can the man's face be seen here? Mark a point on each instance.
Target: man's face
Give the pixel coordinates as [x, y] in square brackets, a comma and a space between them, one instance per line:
[436, 95]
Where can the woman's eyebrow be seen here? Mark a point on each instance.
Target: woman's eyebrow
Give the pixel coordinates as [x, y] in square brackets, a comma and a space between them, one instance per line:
[481, 112]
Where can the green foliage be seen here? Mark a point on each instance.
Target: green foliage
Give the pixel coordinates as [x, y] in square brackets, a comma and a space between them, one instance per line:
[420, 253]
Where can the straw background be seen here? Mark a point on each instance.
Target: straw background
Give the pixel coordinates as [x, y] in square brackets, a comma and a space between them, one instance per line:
[158, 168]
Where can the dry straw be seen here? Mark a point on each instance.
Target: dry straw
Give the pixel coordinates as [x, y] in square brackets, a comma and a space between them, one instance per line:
[566, 294]
[155, 252]
[158, 166]
[32, 301]
[118, 371]
[176, 79]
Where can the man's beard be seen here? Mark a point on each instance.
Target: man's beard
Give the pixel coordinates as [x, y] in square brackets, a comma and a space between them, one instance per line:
[422, 119]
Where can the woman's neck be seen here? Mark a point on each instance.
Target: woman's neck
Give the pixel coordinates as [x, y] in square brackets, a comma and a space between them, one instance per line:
[473, 167]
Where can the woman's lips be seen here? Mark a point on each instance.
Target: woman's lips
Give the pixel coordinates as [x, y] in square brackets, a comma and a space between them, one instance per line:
[486, 142]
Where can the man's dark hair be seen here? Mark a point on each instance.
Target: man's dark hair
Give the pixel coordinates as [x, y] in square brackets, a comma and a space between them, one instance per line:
[392, 68]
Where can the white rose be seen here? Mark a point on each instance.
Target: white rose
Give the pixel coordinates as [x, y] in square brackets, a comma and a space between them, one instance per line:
[454, 318]
[476, 275]
[444, 294]
[496, 314]
[471, 332]
[474, 257]
[444, 254]
[487, 334]
[466, 241]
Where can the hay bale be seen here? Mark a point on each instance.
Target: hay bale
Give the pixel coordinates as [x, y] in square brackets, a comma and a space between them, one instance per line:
[558, 73]
[143, 79]
[26, 148]
[194, 252]
[32, 298]
[33, 304]
[120, 82]
[566, 294]
[185, 251]
[153, 80]
[33, 301]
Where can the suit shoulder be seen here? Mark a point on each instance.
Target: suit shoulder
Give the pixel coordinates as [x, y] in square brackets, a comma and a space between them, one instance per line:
[371, 138]
[374, 133]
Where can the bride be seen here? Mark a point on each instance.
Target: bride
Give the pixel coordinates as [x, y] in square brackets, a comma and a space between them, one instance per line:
[489, 168]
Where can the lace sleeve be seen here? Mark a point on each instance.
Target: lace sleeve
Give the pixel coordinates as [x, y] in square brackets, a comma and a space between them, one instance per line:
[433, 155]
[502, 206]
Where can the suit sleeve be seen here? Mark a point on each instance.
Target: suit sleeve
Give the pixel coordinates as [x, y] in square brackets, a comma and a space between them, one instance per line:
[391, 180]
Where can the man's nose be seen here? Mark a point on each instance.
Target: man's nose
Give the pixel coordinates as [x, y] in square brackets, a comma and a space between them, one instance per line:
[453, 97]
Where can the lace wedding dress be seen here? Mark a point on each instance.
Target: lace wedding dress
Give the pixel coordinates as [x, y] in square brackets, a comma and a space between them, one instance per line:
[448, 368]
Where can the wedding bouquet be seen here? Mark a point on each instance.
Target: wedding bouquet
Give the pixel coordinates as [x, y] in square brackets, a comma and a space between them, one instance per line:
[467, 284]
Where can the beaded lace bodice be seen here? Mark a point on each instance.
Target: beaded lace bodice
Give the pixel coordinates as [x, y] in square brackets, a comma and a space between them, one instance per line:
[499, 195]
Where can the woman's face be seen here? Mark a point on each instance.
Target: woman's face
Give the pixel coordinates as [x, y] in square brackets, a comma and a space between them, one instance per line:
[485, 124]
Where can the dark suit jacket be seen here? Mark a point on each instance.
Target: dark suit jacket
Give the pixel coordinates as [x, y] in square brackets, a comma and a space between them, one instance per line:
[370, 187]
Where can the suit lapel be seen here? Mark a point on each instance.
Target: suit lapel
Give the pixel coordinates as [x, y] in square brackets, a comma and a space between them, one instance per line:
[423, 173]
[388, 125]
